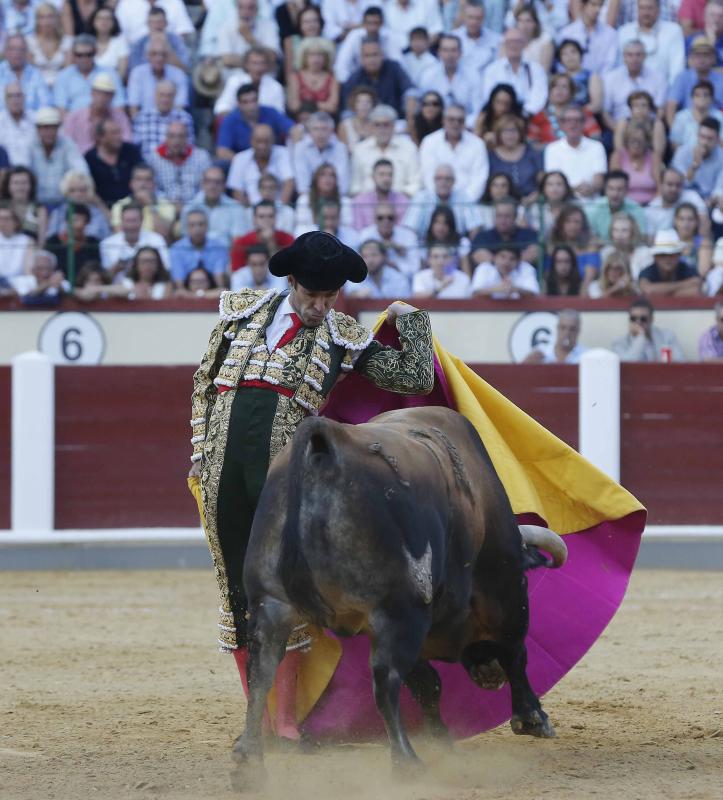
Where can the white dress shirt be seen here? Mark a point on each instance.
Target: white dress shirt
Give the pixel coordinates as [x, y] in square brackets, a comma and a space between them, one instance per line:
[468, 159]
[244, 172]
[132, 16]
[279, 324]
[16, 138]
[231, 42]
[401, 151]
[271, 92]
[400, 20]
[578, 164]
[664, 47]
[478, 53]
[243, 278]
[463, 88]
[116, 248]
[600, 45]
[424, 283]
[523, 276]
[340, 14]
[529, 82]
[417, 66]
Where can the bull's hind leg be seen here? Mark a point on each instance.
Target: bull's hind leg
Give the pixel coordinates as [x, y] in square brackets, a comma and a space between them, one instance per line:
[425, 684]
[269, 629]
[397, 636]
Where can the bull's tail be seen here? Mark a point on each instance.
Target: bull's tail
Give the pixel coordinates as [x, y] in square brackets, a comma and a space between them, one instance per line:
[534, 537]
[311, 451]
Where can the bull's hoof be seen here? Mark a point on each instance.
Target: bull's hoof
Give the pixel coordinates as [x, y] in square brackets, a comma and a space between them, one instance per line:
[488, 676]
[537, 724]
[248, 778]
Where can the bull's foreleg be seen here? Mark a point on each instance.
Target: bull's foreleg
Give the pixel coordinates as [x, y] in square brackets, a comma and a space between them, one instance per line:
[528, 718]
[397, 637]
[269, 628]
[426, 686]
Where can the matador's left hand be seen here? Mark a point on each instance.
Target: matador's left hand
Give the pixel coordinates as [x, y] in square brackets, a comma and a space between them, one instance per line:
[398, 309]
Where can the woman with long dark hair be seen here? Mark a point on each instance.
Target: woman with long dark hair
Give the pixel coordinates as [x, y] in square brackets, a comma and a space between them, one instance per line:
[147, 278]
[563, 276]
[18, 188]
[429, 117]
[443, 230]
[502, 100]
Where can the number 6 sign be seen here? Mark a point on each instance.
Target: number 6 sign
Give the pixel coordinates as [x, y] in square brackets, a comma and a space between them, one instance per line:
[72, 337]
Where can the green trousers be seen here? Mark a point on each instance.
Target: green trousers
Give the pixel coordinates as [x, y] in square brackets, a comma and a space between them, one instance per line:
[245, 464]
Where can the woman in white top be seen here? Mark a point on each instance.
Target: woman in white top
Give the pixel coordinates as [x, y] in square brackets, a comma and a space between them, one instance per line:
[16, 249]
[441, 279]
[147, 278]
[112, 49]
[539, 47]
[48, 49]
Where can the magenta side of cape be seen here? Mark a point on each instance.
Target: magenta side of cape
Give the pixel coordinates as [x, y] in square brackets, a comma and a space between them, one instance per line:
[569, 608]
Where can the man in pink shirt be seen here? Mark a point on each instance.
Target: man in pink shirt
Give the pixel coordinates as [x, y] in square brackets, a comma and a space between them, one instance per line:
[80, 125]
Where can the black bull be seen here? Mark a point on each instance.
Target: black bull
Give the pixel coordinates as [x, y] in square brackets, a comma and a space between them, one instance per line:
[401, 529]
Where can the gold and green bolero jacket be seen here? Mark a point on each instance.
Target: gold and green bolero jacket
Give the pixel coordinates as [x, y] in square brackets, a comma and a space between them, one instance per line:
[310, 364]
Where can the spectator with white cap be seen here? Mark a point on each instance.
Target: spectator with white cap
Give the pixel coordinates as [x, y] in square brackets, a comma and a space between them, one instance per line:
[52, 155]
[669, 275]
[80, 125]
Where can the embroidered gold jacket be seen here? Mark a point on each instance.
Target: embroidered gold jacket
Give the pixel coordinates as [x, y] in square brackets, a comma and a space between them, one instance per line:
[311, 363]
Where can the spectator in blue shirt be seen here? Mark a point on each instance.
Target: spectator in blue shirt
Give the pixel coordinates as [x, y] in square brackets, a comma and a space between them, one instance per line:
[701, 161]
[144, 78]
[386, 77]
[702, 61]
[16, 69]
[197, 249]
[234, 135]
[19, 16]
[382, 281]
[72, 88]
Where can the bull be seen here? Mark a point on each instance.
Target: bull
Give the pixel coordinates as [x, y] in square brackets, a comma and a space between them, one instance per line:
[398, 528]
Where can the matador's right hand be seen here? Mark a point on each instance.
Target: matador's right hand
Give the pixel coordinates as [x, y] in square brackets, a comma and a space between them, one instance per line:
[195, 471]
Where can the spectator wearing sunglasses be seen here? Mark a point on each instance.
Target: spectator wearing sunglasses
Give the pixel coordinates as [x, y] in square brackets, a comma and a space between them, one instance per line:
[73, 86]
[644, 341]
[400, 242]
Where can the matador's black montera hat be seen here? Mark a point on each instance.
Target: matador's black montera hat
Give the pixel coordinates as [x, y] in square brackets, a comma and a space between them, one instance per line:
[320, 262]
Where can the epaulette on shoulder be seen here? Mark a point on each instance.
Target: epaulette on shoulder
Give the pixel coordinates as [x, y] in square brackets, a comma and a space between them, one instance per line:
[347, 332]
[245, 303]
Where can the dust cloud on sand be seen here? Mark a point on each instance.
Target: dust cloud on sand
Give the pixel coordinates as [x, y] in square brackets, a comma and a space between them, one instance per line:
[111, 687]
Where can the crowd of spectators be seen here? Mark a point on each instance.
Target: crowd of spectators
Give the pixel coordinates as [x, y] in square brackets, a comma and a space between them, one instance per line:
[152, 148]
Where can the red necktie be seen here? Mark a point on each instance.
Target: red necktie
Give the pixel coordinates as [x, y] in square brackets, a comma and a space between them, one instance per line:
[291, 332]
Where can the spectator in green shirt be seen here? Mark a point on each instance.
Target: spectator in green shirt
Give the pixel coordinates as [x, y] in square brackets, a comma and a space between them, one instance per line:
[600, 212]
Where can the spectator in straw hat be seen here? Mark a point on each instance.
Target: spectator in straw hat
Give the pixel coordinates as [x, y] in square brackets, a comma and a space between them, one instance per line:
[669, 275]
[702, 61]
[80, 125]
[52, 155]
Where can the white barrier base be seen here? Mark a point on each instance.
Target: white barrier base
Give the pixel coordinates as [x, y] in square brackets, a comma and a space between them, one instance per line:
[195, 535]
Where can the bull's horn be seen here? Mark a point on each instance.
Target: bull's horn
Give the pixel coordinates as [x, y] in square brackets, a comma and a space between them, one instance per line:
[546, 539]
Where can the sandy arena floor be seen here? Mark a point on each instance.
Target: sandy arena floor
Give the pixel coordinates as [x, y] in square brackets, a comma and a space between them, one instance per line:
[110, 687]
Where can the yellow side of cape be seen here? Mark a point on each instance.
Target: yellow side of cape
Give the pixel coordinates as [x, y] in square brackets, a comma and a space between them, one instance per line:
[540, 473]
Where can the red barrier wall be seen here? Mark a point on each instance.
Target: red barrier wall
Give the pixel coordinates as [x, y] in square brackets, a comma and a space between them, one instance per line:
[122, 439]
[4, 447]
[122, 447]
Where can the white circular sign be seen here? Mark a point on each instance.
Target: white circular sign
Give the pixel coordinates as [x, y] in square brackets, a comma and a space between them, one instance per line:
[72, 337]
[535, 330]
